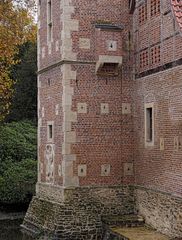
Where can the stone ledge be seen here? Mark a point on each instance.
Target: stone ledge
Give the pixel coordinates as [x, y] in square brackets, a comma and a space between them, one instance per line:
[123, 220]
[140, 233]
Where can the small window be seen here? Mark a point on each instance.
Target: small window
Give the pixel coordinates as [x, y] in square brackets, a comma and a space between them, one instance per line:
[149, 124]
[50, 131]
[49, 20]
[132, 4]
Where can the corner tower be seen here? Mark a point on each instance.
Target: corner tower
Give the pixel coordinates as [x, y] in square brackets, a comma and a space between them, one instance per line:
[85, 129]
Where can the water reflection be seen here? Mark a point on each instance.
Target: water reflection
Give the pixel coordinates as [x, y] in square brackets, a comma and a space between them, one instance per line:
[10, 230]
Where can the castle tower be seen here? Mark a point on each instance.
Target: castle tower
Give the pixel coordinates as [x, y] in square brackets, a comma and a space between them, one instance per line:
[109, 131]
[85, 127]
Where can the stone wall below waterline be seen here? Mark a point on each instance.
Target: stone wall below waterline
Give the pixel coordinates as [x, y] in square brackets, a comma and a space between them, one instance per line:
[161, 211]
[79, 214]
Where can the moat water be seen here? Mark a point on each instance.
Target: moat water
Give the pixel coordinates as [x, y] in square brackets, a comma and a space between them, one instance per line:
[10, 230]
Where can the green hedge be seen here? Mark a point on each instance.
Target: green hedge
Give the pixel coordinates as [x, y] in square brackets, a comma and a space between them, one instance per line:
[18, 165]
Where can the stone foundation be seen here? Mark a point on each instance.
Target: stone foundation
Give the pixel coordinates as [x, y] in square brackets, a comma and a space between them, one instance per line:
[161, 211]
[78, 215]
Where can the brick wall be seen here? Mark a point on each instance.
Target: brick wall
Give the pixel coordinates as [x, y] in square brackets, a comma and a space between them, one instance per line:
[159, 29]
[97, 117]
[158, 53]
[161, 211]
[50, 110]
[91, 114]
[49, 52]
[159, 167]
[155, 166]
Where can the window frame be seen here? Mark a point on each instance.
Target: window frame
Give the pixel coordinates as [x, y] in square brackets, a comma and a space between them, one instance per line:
[149, 140]
[50, 139]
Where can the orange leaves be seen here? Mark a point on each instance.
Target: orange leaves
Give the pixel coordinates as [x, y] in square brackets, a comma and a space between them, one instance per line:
[6, 90]
[16, 27]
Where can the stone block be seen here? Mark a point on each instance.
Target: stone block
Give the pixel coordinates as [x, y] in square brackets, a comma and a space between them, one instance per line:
[43, 112]
[57, 109]
[70, 137]
[39, 83]
[126, 108]
[68, 90]
[66, 126]
[60, 170]
[176, 143]
[81, 107]
[67, 100]
[104, 108]
[41, 168]
[105, 170]
[68, 73]
[69, 157]
[66, 148]
[162, 144]
[84, 43]
[70, 116]
[40, 123]
[128, 169]
[111, 45]
[82, 170]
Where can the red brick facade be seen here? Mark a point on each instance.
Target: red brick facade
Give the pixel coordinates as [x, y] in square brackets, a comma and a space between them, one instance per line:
[159, 83]
[110, 111]
[103, 138]
[110, 140]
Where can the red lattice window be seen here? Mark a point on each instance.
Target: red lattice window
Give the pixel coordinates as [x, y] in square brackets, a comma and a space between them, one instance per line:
[177, 10]
[155, 54]
[144, 59]
[154, 7]
[142, 14]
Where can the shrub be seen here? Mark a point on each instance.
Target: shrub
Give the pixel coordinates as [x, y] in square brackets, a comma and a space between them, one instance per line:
[18, 165]
[17, 184]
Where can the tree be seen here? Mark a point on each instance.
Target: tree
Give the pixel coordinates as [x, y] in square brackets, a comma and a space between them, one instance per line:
[24, 100]
[16, 27]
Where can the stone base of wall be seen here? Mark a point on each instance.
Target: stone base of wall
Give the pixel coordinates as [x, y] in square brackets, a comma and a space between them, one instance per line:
[78, 213]
[161, 211]
[62, 221]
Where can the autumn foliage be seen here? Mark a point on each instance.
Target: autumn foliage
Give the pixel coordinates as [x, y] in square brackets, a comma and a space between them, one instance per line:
[16, 28]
